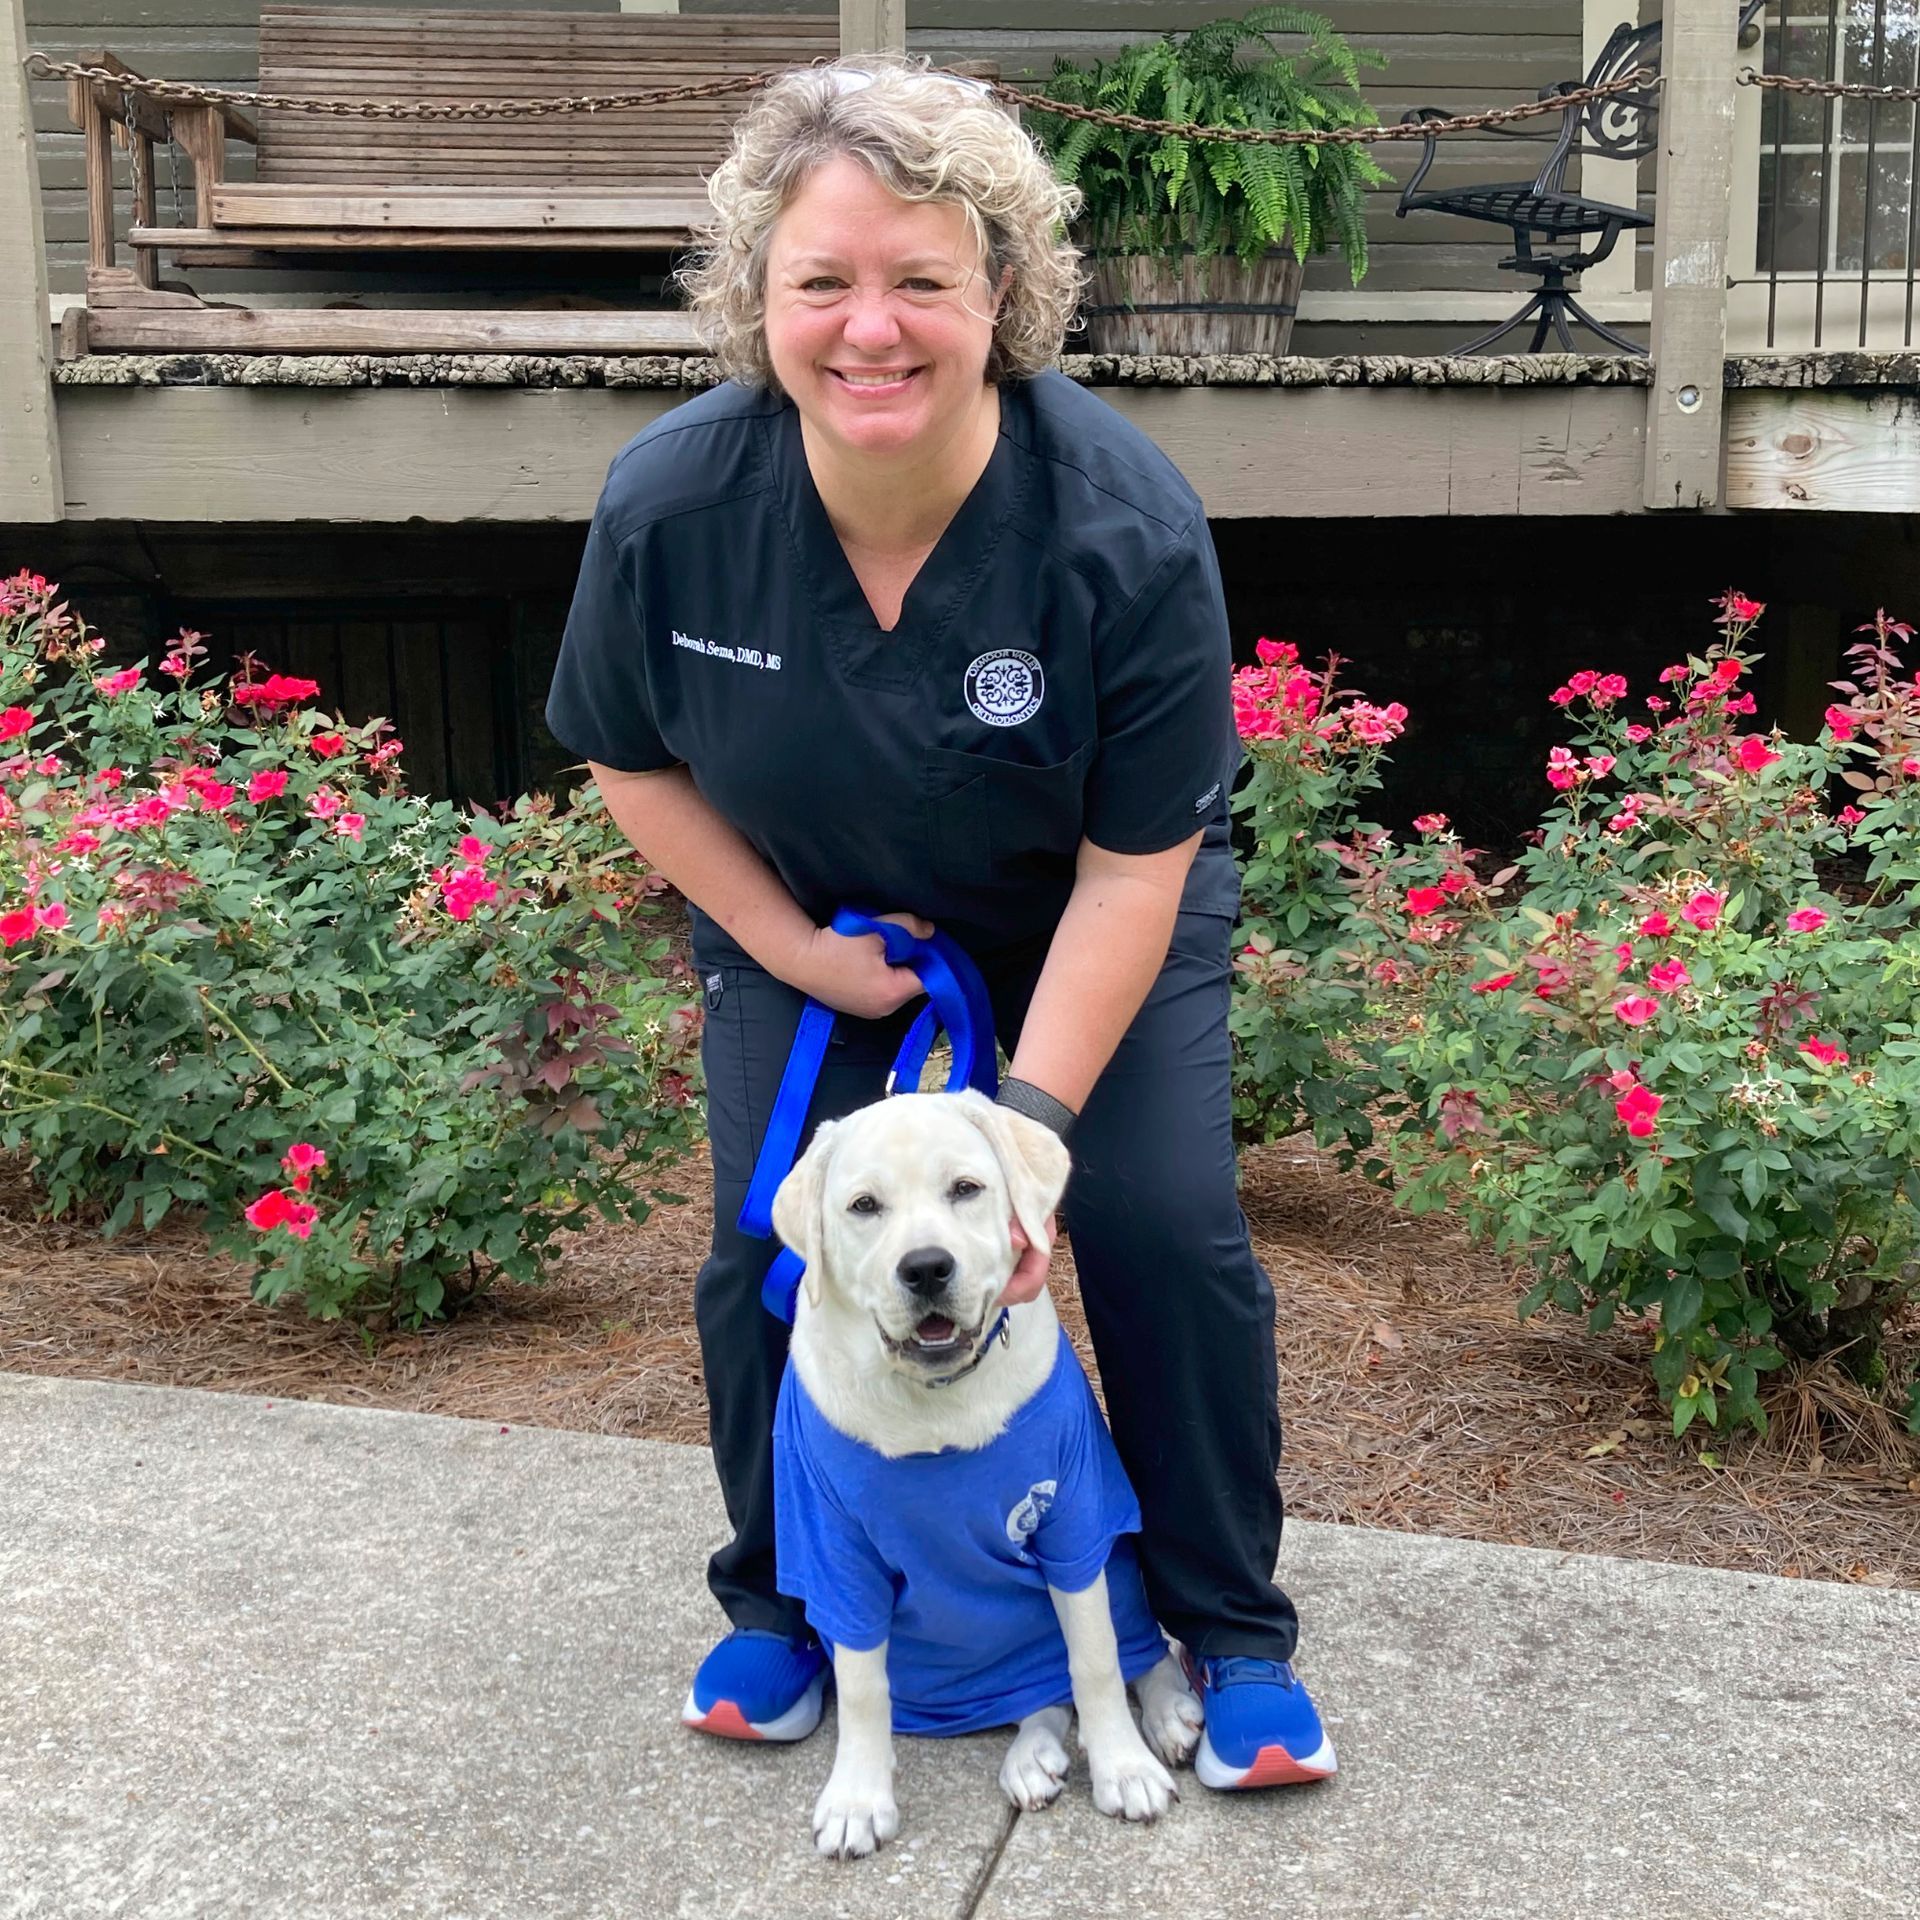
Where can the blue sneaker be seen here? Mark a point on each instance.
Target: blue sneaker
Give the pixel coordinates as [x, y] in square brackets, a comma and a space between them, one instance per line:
[758, 1686]
[1262, 1730]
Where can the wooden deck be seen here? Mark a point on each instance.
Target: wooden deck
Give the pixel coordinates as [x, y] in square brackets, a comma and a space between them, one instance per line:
[516, 437]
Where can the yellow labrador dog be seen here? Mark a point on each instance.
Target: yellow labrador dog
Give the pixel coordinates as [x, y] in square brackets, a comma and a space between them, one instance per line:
[949, 1504]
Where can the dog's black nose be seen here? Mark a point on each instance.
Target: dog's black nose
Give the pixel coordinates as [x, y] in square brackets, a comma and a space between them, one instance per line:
[925, 1271]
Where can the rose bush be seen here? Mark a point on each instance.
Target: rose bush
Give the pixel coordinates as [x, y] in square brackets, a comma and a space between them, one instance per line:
[387, 1050]
[1668, 1068]
[1313, 754]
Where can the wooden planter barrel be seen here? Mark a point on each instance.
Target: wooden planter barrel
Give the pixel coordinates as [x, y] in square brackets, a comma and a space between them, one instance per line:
[1139, 303]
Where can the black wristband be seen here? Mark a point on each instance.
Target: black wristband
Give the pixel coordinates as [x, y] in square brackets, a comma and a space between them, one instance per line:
[1022, 1097]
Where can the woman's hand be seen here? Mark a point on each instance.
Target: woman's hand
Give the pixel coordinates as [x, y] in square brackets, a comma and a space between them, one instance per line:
[1030, 1274]
[850, 973]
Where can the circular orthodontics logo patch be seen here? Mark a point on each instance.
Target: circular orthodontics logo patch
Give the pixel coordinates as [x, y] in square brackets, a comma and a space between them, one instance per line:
[1005, 687]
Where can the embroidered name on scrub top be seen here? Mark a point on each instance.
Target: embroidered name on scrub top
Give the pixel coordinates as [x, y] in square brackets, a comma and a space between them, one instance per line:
[947, 1557]
[1060, 669]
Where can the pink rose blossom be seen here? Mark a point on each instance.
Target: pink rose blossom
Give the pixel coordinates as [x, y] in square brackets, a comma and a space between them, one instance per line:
[1668, 976]
[1636, 1009]
[276, 1209]
[1703, 910]
[265, 786]
[1806, 920]
[1639, 1110]
[1753, 753]
[1424, 900]
[1422, 823]
[115, 683]
[302, 1161]
[1639, 734]
[1825, 1052]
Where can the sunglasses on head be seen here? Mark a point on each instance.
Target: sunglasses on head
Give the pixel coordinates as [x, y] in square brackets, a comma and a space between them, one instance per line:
[853, 79]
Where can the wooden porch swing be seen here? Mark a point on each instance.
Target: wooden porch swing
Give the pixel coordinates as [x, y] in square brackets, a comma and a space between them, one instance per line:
[330, 188]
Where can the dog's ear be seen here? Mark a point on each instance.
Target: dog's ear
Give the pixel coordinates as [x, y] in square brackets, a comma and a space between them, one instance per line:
[800, 1207]
[1033, 1158]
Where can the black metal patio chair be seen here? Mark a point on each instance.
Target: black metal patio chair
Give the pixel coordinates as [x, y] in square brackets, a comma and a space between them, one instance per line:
[1624, 126]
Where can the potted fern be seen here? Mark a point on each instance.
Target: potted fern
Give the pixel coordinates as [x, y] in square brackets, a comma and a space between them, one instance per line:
[1197, 246]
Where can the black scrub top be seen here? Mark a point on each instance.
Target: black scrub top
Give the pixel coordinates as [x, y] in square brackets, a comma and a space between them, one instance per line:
[1060, 668]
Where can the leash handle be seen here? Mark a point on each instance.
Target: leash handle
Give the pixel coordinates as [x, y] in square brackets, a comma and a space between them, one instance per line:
[957, 1002]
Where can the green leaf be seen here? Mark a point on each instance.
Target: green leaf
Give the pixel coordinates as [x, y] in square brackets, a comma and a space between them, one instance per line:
[1681, 1304]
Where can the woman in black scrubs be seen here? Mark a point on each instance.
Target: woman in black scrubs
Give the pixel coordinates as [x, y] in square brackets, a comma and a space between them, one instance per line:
[900, 617]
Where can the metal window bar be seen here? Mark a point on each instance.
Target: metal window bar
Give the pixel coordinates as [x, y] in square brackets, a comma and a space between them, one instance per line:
[1824, 242]
[1869, 194]
[1913, 225]
[1779, 106]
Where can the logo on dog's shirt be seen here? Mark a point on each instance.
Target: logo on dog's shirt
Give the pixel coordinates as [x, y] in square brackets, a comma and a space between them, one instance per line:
[1024, 1521]
[945, 1558]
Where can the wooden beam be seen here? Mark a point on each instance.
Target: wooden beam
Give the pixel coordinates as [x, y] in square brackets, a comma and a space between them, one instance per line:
[204, 246]
[30, 483]
[326, 452]
[143, 326]
[872, 26]
[1823, 450]
[1694, 185]
[277, 205]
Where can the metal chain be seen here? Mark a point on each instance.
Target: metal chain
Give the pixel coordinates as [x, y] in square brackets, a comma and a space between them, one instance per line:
[192, 94]
[1642, 79]
[1836, 89]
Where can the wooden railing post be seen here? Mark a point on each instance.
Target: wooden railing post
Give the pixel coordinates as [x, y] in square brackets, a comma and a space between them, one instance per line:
[30, 486]
[1693, 190]
[872, 26]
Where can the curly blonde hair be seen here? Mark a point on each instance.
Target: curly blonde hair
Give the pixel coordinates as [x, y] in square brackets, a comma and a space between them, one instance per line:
[922, 137]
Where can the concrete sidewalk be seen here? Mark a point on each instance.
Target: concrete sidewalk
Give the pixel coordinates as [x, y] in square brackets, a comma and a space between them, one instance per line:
[299, 1660]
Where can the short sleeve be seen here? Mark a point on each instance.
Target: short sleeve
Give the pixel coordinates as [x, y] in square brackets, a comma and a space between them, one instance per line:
[1163, 679]
[823, 1558]
[1093, 1503]
[599, 705]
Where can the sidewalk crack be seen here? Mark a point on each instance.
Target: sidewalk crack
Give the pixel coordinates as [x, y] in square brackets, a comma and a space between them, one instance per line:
[990, 1865]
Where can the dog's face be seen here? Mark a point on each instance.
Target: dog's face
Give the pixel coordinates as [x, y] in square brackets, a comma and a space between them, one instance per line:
[901, 1213]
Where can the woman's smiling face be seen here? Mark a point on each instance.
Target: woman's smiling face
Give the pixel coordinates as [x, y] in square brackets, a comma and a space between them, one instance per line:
[878, 316]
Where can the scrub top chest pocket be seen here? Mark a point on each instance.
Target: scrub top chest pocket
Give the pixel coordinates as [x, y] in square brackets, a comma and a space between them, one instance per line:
[997, 821]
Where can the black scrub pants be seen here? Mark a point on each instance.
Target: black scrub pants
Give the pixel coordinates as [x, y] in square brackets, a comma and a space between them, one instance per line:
[1180, 1311]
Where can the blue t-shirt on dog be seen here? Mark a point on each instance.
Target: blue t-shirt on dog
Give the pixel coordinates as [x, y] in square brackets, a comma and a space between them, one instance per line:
[947, 1557]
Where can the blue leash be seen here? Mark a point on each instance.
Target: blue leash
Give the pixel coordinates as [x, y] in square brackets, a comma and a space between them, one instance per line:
[956, 1001]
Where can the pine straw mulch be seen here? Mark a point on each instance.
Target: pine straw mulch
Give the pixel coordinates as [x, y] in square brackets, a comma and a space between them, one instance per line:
[1413, 1398]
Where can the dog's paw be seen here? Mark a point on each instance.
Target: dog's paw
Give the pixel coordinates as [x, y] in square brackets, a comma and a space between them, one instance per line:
[853, 1817]
[1171, 1716]
[1128, 1782]
[1035, 1765]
